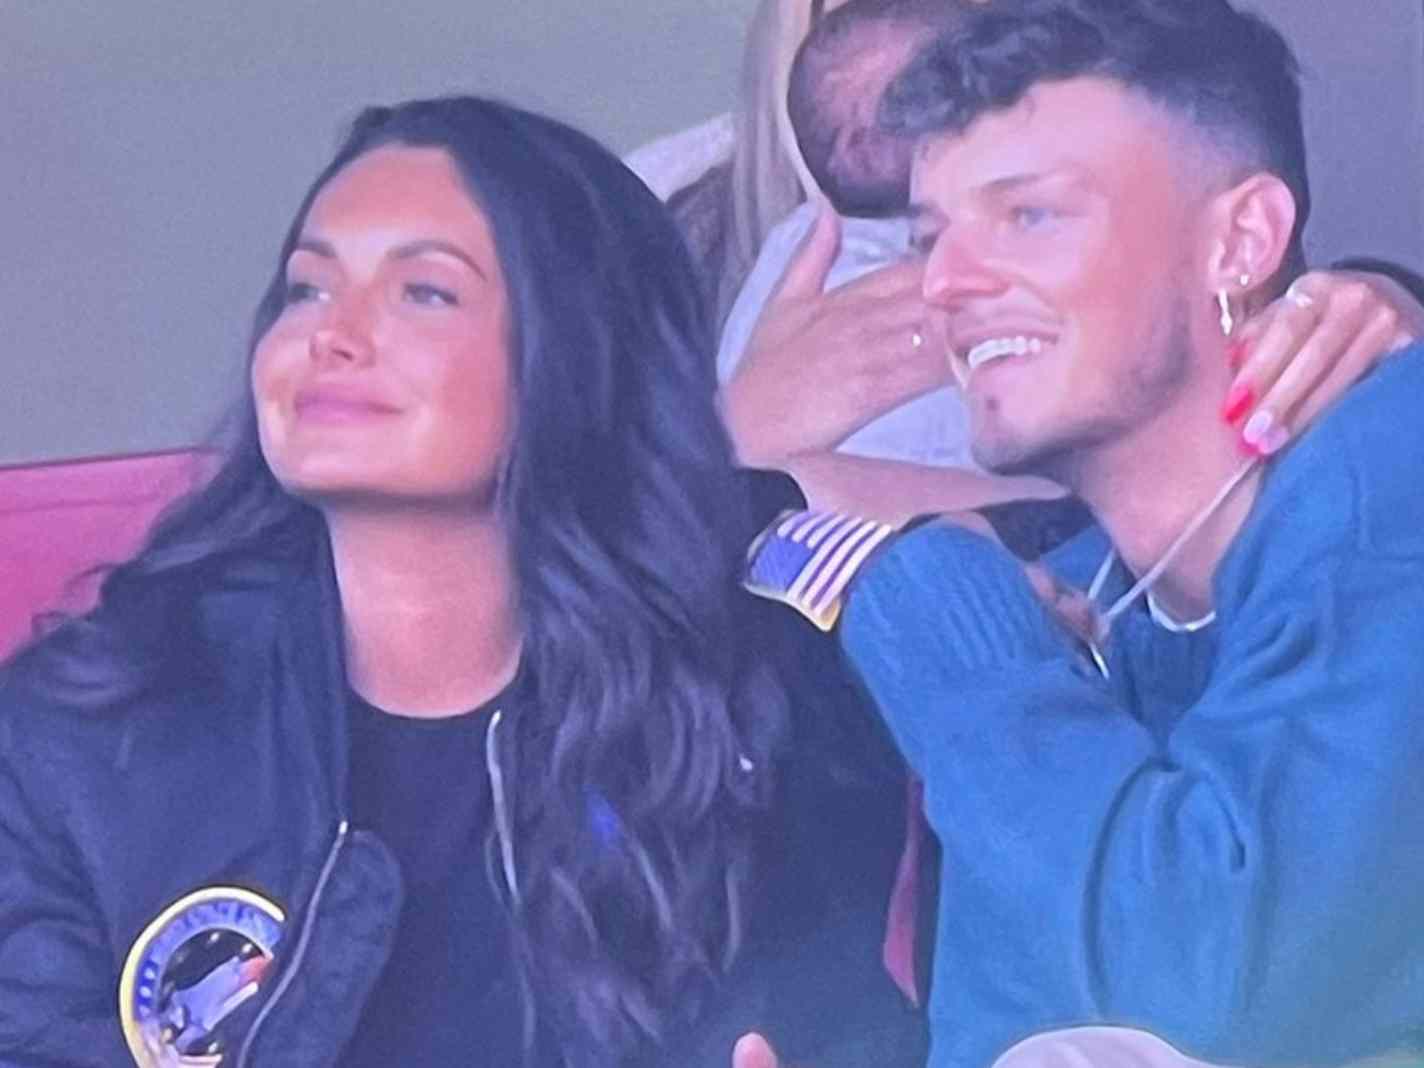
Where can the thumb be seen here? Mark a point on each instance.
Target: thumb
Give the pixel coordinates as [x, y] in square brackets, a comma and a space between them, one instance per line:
[753, 1051]
[805, 275]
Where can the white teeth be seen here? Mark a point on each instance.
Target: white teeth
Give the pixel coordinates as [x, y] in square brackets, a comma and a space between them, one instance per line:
[998, 347]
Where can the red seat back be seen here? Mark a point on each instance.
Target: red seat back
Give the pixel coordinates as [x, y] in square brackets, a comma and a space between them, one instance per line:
[57, 520]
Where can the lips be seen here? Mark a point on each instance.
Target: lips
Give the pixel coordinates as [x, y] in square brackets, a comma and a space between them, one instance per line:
[329, 404]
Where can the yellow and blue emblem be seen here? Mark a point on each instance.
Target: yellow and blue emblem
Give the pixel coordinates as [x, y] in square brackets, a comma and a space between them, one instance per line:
[807, 559]
[190, 969]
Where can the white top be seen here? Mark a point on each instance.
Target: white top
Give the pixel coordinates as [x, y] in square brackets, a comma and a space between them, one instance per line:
[677, 160]
[932, 429]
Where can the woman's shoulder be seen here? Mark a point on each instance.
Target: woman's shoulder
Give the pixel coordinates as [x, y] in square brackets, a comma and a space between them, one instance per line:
[85, 694]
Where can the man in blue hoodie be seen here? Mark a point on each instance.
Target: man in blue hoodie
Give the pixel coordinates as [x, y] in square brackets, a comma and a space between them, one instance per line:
[1201, 813]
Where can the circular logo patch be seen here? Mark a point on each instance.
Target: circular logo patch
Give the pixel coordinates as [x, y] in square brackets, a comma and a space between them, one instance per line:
[191, 968]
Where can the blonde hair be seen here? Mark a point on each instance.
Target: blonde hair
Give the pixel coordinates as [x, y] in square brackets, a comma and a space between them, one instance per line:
[769, 177]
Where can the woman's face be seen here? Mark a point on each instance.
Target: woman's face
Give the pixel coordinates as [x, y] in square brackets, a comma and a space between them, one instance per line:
[386, 377]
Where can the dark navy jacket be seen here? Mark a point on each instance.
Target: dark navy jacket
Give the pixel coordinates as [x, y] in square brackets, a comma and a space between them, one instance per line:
[238, 777]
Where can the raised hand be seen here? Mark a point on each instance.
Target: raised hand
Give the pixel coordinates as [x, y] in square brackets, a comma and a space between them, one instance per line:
[821, 365]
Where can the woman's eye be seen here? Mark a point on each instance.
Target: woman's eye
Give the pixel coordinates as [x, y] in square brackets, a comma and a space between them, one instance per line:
[301, 292]
[1032, 216]
[423, 293]
[922, 241]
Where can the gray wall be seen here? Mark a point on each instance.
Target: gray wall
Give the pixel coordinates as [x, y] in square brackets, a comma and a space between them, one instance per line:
[1363, 72]
[151, 152]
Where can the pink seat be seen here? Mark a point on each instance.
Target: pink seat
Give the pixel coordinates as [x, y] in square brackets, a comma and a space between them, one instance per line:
[59, 519]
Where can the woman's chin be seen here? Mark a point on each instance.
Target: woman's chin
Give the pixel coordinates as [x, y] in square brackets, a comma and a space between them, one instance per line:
[318, 479]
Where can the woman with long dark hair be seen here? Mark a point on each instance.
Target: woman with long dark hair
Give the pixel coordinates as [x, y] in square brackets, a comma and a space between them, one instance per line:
[424, 731]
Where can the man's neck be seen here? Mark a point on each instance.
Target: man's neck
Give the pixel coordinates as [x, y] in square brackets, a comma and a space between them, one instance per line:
[1147, 489]
[430, 607]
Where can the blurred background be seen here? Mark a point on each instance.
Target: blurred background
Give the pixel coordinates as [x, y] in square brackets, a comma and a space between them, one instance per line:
[152, 152]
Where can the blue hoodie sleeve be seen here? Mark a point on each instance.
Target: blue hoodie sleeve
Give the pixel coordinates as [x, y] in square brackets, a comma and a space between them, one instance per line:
[1251, 888]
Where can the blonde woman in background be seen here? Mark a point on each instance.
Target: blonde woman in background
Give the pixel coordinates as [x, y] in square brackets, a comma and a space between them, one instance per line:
[733, 178]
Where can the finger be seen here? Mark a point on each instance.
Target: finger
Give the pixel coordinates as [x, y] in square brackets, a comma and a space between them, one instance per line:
[1071, 608]
[1356, 325]
[1332, 386]
[1304, 303]
[890, 335]
[902, 278]
[890, 313]
[1286, 329]
[1044, 583]
[1390, 293]
[753, 1051]
[805, 275]
[868, 335]
[1298, 373]
[908, 372]
[1246, 339]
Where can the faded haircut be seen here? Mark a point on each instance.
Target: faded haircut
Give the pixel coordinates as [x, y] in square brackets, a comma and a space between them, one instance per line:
[1228, 73]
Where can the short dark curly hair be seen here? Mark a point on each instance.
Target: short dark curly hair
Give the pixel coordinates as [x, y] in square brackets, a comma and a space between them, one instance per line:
[1225, 71]
[854, 36]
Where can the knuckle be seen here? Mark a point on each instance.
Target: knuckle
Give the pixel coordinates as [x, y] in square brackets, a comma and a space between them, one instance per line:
[1387, 319]
[1352, 296]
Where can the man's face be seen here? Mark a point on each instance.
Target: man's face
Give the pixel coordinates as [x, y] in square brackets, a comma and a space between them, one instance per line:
[1060, 239]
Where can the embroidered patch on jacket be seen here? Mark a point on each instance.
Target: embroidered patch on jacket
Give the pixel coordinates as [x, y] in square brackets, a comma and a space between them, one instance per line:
[190, 969]
[807, 559]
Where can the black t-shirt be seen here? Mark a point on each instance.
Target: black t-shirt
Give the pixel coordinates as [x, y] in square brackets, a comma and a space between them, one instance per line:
[448, 993]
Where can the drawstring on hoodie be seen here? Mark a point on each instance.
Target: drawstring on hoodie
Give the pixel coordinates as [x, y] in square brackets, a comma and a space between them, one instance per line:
[1155, 572]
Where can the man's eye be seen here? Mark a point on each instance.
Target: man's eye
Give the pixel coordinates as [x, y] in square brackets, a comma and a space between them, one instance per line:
[422, 293]
[1032, 216]
[301, 292]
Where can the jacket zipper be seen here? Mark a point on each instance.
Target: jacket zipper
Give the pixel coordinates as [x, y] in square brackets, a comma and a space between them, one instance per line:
[502, 827]
[303, 940]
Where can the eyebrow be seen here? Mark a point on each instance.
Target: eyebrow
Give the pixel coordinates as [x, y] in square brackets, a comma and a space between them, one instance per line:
[317, 247]
[1007, 184]
[1010, 182]
[424, 245]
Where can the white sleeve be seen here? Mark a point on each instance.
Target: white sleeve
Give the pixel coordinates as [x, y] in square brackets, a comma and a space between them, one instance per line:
[776, 252]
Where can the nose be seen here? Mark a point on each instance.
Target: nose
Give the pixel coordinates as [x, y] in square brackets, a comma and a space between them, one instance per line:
[956, 271]
[344, 335]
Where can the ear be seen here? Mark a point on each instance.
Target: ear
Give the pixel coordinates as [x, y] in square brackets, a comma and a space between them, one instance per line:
[1250, 228]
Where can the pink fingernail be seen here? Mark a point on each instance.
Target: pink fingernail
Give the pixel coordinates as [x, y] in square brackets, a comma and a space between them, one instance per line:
[1274, 441]
[1256, 429]
[1238, 400]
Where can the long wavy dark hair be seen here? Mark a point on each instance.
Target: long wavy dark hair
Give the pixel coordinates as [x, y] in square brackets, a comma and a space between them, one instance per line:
[648, 745]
